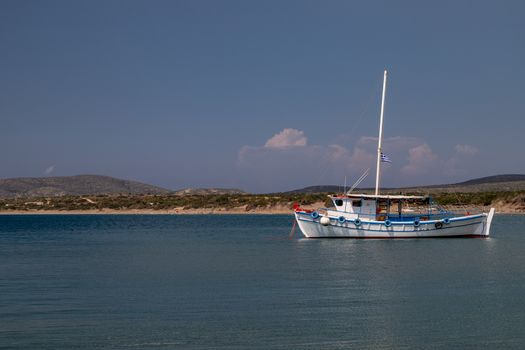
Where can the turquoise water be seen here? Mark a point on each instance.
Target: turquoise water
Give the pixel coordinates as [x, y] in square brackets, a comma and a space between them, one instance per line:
[238, 282]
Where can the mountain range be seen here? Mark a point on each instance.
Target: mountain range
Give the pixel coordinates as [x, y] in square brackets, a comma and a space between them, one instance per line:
[496, 183]
[91, 185]
[98, 185]
[73, 185]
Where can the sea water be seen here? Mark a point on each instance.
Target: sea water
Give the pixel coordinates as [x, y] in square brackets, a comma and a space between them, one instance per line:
[239, 282]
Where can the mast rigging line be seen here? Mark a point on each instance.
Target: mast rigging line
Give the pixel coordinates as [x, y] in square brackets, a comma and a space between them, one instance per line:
[365, 174]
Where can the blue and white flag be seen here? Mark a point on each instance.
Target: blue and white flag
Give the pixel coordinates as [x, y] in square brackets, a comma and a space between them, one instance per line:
[385, 158]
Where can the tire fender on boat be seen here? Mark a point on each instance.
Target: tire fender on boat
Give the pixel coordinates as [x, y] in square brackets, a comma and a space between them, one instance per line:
[388, 223]
[438, 225]
[314, 215]
[417, 223]
[341, 219]
[357, 222]
[446, 221]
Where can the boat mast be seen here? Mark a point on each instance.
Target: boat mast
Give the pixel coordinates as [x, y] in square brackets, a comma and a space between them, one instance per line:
[378, 166]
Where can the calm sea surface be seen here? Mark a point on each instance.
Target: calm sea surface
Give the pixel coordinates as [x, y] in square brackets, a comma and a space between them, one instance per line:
[239, 282]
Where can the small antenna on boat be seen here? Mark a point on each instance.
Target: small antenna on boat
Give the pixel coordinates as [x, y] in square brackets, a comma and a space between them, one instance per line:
[365, 174]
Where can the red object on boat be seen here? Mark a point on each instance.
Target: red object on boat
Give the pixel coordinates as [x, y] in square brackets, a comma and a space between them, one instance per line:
[297, 207]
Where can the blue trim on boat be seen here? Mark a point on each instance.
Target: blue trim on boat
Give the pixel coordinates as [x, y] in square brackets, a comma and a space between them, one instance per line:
[389, 229]
[395, 217]
[397, 223]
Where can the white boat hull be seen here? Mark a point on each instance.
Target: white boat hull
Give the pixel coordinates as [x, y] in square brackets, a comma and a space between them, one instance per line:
[464, 226]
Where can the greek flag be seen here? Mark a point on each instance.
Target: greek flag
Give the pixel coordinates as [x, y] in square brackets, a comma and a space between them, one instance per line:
[385, 158]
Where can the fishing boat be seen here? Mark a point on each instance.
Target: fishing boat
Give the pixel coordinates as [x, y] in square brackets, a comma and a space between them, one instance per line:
[388, 216]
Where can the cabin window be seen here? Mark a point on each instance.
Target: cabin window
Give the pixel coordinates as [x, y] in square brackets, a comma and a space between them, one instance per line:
[339, 202]
[356, 203]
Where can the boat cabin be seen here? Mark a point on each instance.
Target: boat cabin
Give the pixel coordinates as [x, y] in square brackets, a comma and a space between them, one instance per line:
[382, 207]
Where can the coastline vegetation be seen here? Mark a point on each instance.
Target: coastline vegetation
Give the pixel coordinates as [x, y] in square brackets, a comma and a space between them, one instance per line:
[514, 199]
[158, 202]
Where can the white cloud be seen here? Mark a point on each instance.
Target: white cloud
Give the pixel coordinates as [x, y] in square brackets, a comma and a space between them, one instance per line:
[287, 157]
[315, 158]
[286, 161]
[466, 150]
[457, 164]
[287, 138]
[49, 170]
[421, 160]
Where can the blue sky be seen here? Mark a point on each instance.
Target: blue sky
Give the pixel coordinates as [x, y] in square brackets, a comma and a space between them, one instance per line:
[261, 95]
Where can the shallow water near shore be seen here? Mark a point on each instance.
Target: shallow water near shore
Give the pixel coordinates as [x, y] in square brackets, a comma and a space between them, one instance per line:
[239, 282]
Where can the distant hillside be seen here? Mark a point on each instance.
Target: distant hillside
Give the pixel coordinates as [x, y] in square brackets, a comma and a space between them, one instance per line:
[510, 186]
[208, 191]
[497, 183]
[73, 185]
[494, 179]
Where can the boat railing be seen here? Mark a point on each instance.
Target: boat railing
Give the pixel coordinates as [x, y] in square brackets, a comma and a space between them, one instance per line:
[408, 217]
